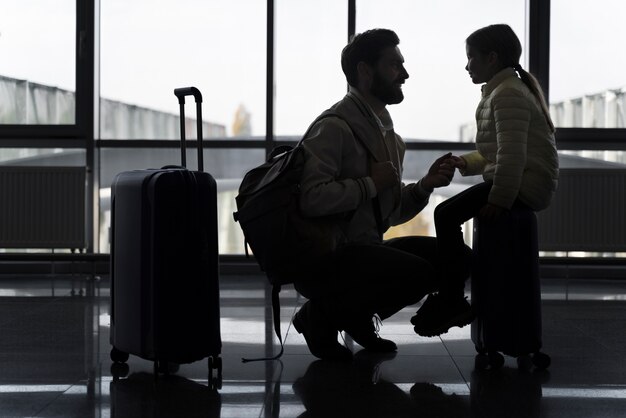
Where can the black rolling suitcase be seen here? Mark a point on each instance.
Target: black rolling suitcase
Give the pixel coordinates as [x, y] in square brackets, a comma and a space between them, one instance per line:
[164, 262]
[505, 291]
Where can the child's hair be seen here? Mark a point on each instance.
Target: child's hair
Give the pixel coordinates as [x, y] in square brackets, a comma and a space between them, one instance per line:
[502, 40]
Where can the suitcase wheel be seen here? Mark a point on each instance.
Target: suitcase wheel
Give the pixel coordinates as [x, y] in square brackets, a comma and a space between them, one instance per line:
[524, 362]
[481, 361]
[496, 360]
[215, 363]
[119, 370]
[492, 360]
[118, 356]
[541, 360]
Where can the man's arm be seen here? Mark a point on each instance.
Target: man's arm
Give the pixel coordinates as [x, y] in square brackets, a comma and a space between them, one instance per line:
[323, 191]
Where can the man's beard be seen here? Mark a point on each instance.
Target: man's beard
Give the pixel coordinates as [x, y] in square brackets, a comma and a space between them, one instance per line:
[385, 91]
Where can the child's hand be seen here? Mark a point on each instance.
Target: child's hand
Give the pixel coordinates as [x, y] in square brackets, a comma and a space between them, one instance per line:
[491, 212]
[458, 162]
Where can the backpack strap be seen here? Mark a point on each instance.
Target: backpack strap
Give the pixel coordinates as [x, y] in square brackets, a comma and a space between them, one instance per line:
[276, 320]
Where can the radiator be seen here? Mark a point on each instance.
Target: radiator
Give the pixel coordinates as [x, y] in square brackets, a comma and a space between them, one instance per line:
[42, 207]
[587, 213]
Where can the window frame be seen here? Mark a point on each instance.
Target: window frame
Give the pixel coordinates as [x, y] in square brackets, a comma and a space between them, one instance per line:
[66, 135]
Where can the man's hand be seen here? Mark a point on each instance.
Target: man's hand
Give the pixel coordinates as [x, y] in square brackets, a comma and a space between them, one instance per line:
[384, 175]
[440, 173]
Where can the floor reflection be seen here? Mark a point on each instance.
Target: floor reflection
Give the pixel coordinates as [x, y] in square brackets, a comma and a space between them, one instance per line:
[358, 389]
[143, 395]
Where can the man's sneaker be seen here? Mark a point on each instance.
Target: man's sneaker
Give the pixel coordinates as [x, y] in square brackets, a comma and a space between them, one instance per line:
[439, 313]
[365, 333]
[319, 334]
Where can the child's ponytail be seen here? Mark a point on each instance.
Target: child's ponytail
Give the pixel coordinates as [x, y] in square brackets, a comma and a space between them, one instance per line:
[534, 86]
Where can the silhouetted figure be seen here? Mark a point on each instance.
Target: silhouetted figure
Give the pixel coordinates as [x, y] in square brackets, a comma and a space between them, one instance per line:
[353, 173]
[515, 154]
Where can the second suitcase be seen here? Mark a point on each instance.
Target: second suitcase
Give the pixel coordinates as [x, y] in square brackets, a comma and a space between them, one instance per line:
[505, 291]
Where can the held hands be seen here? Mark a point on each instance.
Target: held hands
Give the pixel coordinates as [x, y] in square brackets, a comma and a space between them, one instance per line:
[458, 162]
[439, 174]
[441, 171]
[384, 175]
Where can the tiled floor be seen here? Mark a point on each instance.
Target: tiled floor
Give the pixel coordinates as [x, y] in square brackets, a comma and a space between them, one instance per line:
[54, 362]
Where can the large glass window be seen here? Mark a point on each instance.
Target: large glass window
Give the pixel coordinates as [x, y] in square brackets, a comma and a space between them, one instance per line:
[587, 79]
[38, 65]
[150, 48]
[309, 38]
[440, 99]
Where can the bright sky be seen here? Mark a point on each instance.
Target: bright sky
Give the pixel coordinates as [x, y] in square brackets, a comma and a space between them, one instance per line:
[149, 47]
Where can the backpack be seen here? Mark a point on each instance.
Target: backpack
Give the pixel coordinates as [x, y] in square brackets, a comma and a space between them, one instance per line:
[268, 211]
[283, 241]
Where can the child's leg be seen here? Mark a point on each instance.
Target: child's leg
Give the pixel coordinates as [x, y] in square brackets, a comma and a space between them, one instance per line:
[454, 255]
[449, 308]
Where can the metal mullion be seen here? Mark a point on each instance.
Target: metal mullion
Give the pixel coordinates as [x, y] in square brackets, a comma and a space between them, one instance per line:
[167, 143]
[39, 131]
[591, 138]
[269, 87]
[39, 142]
[351, 18]
[539, 43]
[85, 103]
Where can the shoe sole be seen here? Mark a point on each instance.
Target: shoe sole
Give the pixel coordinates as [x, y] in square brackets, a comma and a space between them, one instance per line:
[459, 321]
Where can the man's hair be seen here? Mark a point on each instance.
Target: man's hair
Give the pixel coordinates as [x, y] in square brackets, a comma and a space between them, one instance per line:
[367, 47]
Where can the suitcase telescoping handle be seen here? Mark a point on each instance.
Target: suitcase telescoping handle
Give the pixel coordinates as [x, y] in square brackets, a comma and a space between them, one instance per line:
[181, 93]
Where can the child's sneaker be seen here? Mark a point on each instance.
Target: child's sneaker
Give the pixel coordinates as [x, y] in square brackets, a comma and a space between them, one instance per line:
[439, 313]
